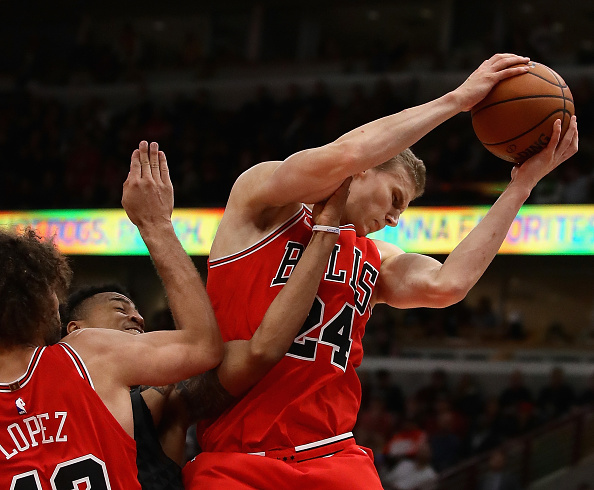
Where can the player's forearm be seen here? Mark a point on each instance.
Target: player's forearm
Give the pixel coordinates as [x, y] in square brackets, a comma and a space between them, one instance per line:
[247, 362]
[470, 259]
[312, 175]
[187, 297]
[290, 308]
[379, 140]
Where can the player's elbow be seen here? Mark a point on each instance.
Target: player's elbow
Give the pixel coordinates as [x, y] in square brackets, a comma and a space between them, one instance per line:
[212, 352]
[265, 356]
[448, 294]
[216, 352]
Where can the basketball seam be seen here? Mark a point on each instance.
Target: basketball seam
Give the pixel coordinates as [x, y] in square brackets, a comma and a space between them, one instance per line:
[524, 97]
[526, 132]
[558, 84]
[562, 93]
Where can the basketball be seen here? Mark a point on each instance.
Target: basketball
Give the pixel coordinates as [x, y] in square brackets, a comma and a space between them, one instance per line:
[515, 120]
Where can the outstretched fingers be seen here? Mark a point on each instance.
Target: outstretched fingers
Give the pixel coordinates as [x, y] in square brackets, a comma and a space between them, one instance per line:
[135, 171]
[143, 148]
[154, 161]
[164, 169]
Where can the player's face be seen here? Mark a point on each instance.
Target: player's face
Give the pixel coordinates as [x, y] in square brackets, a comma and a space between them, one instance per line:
[377, 199]
[114, 311]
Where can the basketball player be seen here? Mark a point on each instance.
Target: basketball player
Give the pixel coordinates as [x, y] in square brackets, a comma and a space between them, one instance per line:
[162, 415]
[293, 429]
[65, 411]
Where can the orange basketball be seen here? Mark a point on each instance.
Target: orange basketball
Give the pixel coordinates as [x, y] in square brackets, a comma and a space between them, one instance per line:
[515, 120]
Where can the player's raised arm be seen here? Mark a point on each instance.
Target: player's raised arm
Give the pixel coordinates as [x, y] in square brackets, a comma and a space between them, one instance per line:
[314, 174]
[412, 280]
[165, 357]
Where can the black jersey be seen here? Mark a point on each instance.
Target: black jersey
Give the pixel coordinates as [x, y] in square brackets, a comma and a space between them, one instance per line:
[155, 470]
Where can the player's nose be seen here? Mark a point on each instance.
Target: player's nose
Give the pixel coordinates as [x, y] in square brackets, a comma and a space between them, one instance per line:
[137, 319]
[391, 220]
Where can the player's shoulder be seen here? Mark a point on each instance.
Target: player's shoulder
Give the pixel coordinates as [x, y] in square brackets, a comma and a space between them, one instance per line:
[247, 200]
[91, 343]
[251, 180]
[249, 215]
[387, 250]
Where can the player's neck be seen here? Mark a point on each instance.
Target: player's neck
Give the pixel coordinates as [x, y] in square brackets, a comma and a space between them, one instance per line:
[14, 362]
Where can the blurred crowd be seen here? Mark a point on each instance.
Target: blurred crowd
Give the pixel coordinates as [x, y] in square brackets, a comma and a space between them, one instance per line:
[441, 424]
[63, 152]
[479, 324]
[62, 156]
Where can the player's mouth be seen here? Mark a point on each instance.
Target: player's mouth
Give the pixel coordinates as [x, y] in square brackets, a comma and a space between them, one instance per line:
[134, 330]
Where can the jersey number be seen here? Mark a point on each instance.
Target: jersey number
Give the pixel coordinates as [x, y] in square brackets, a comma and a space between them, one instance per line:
[84, 473]
[336, 333]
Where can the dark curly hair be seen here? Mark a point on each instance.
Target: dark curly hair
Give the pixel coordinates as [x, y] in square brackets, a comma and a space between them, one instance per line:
[31, 270]
[73, 308]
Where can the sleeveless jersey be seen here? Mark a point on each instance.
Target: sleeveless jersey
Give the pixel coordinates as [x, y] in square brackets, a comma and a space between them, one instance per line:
[156, 471]
[56, 433]
[314, 392]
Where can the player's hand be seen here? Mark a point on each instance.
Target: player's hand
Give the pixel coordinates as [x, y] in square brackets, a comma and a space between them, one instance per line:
[329, 212]
[487, 75]
[555, 153]
[148, 192]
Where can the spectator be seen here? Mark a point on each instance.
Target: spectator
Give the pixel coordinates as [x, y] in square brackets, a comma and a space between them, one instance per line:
[497, 476]
[515, 393]
[391, 393]
[516, 329]
[413, 474]
[523, 420]
[374, 425]
[438, 388]
[557, 397]
[467, 398]
[485, 321]
[446, 444]
[406, 441]
[489, 430]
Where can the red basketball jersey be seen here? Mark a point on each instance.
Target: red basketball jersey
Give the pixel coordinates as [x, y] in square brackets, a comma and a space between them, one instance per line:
[313, 393]
[56, 433]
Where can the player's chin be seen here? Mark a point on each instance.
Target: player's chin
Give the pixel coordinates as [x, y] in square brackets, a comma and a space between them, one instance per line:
[373, 227]
[363, 230]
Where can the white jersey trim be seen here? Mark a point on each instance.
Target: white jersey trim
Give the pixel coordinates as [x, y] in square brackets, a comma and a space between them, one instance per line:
[323, 442]
[24, 378]
[278, 231]
[226, 259]
[80, 365]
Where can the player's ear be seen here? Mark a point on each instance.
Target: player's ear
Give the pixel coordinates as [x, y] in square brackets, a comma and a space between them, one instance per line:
[72, 326]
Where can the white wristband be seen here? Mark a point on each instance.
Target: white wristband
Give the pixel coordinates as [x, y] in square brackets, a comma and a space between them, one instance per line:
[327, 229]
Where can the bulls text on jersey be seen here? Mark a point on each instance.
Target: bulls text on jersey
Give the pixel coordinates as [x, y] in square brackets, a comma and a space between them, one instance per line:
[363, 277]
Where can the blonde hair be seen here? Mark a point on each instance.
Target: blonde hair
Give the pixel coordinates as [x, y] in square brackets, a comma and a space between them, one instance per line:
[414, 167]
